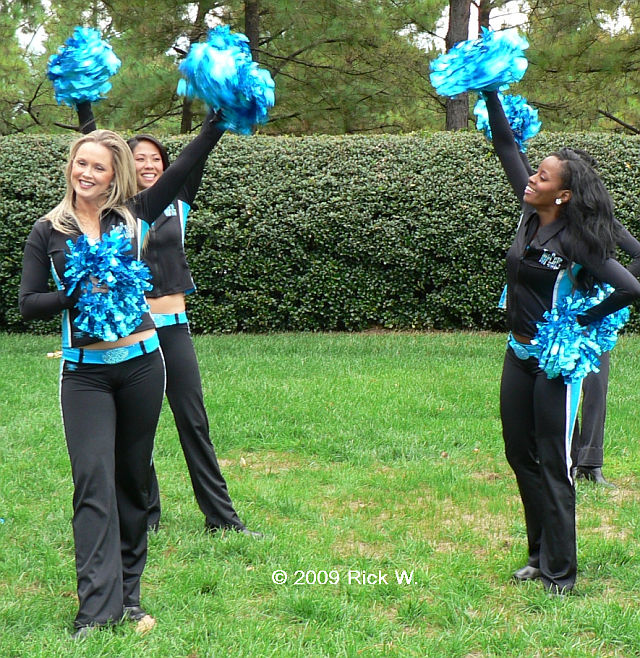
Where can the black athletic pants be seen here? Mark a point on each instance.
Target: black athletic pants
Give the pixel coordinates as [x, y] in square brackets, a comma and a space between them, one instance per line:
[184, 392]
[537, 424]
[588, 440]
[110, 413]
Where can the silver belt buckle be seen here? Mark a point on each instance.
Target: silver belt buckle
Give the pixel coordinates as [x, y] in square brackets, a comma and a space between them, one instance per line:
[116, 355]
[520, 350]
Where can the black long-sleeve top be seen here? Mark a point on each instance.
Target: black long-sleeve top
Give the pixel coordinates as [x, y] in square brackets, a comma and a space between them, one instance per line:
[164, 248]
[538, 262]
[626, 241]
[164, 243]
[46, 248]
[86, 120]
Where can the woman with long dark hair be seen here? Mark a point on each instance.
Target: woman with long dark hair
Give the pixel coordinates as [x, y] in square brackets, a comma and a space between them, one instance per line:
[165, 255]
[172, 281]
[566, 238]
[587, 447]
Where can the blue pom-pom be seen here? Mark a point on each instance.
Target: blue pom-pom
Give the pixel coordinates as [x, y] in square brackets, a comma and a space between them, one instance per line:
[112, 282]
[569, 349]
[82, 68]
[522, 118]
[491, 62]
[222, 74]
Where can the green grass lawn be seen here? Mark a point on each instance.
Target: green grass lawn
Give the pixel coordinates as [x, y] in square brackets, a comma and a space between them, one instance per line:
[358, 456]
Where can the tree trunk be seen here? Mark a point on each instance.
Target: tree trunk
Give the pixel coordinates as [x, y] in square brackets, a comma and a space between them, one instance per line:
[458, 107]
[484, 12]
[196, 33]
[252, 25]
[187, 115]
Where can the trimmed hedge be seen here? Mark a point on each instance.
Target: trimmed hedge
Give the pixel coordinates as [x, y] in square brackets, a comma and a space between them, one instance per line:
[330, 233]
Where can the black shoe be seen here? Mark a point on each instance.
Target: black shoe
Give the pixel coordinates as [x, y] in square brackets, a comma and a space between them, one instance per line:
[254, 534]
[83, 632]
[526, 573]
[133, 613]
[214, 529]
[593, 475]
[143, 620]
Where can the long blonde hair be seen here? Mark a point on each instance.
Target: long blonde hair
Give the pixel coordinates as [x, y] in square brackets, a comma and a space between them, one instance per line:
[123, 186]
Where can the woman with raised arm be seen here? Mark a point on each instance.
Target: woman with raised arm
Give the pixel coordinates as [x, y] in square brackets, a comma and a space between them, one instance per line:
[111, 387]
[587, 447]
[566, 237]
[164, 253]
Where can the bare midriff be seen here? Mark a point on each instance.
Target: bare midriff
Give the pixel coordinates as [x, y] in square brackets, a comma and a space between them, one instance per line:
[131, 339]
[167, 303]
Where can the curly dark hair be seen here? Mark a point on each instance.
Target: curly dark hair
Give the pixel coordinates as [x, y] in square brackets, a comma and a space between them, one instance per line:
[591, 227]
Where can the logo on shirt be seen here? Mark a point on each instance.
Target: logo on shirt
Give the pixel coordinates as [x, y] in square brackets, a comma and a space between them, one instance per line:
[170, 210]
[551, 260]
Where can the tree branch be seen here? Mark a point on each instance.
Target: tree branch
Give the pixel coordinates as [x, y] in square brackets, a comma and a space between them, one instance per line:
[28, 106]
[380, 126]
[311, 65]
[624, 124]
[66, 126]
[173, 112]
[292, 56]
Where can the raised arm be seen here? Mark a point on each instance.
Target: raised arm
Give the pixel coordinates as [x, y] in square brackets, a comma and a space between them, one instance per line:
[192, 184]
[150, 203]
[505, 145]
[36, 300]
[86, 120]
[525, 162]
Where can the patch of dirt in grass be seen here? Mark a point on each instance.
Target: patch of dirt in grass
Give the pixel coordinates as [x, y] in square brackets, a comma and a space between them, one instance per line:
[271, 462]
[349, 546]
[627, 489]
[606, 530]
[31, 588]
[487, 476]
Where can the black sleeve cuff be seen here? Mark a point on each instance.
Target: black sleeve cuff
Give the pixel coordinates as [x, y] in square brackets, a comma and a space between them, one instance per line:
[68, 301]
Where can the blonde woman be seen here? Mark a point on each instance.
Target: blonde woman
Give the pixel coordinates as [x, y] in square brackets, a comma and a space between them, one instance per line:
[111, 392]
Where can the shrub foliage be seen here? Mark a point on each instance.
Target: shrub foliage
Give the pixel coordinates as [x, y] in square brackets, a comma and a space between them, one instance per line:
[330, 233]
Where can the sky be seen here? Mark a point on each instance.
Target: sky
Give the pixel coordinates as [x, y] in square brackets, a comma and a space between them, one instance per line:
[511, 15]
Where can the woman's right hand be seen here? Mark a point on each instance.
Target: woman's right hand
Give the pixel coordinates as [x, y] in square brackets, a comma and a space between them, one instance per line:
[96, 286]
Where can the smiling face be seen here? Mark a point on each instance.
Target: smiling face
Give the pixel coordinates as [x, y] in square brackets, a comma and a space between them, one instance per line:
[546, 185]
[149, 165]
[92, 172]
